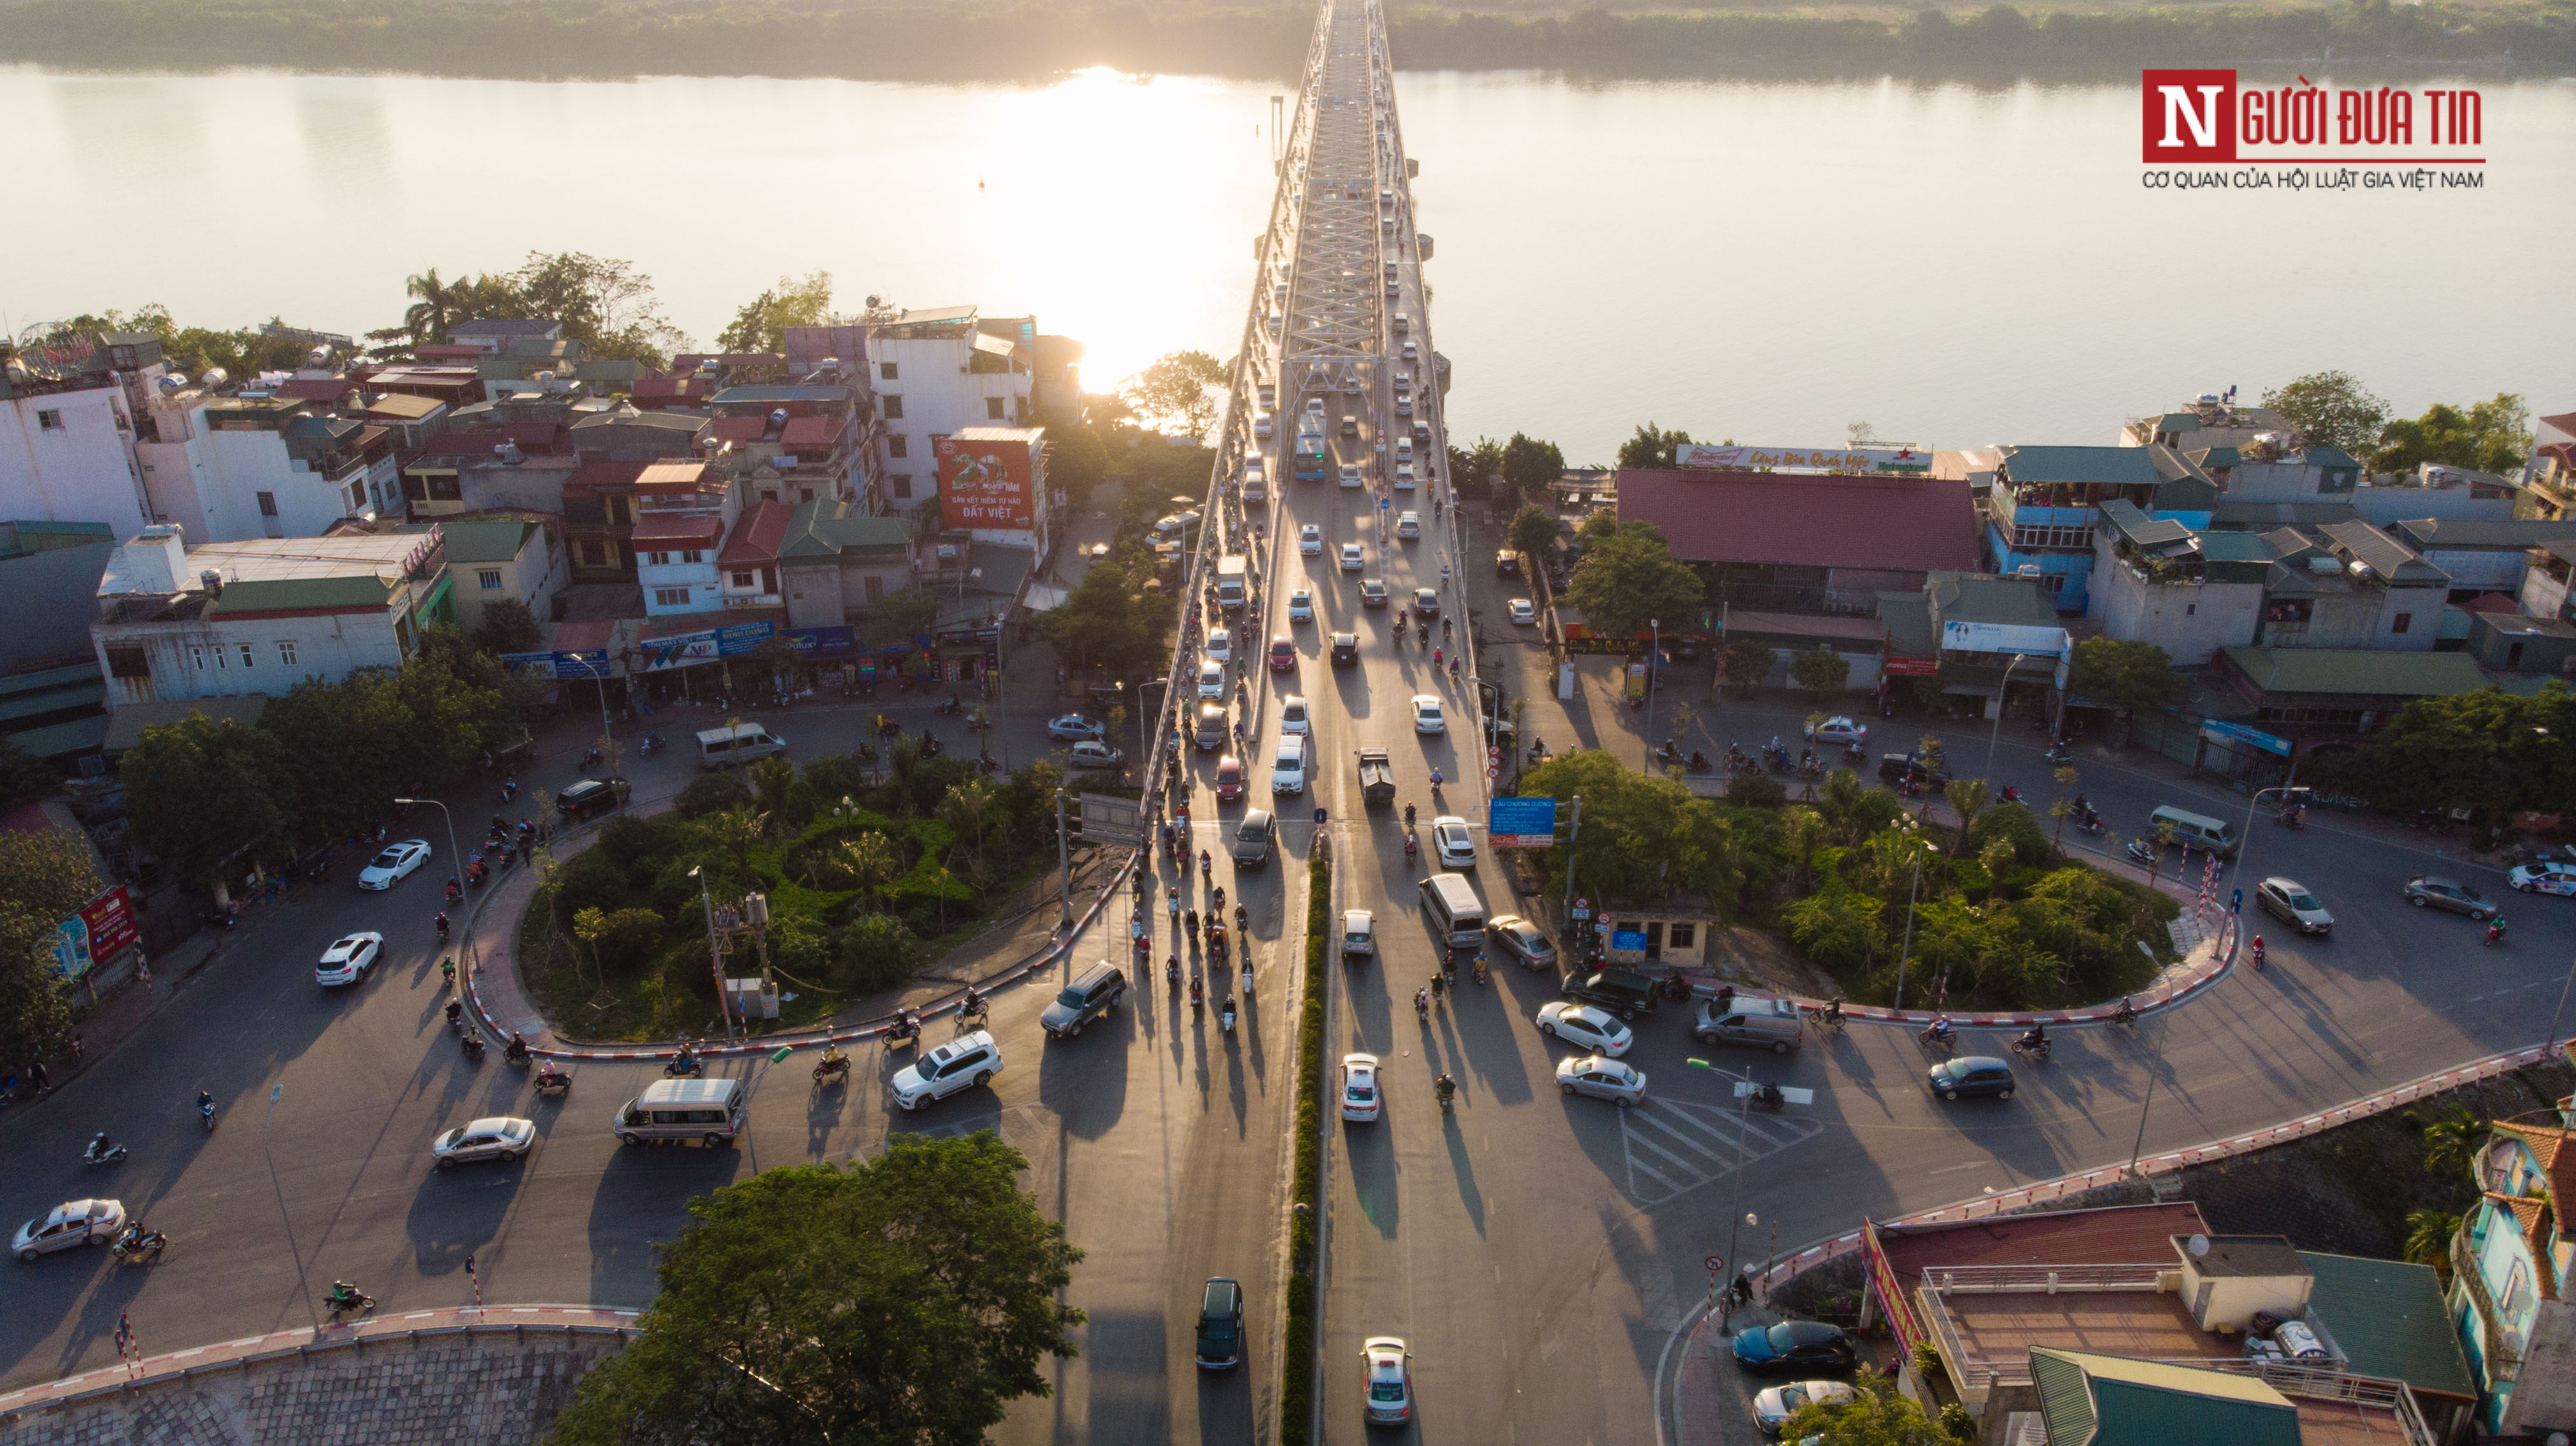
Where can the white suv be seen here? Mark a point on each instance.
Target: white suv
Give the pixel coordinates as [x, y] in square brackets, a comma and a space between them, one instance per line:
[960, 1064]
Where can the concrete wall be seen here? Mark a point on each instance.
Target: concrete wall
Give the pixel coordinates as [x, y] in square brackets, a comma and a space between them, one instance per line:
[52, 598]
[2191, 622]
[81, 471]
[2488, 569]
[814, 595]
[2387, 506]
[204, 660]
[210, 482]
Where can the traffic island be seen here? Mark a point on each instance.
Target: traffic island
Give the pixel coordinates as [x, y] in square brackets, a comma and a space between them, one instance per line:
[1298, 1358]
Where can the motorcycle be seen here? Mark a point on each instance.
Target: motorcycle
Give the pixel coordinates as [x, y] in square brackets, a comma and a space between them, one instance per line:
[652, 744]
[137, 1240]
[2290, 818]
[442, 925]
[1225, 1016]
[551, 1081]
[590, 759]
[1172, 972]
[2126, 1015]
[473, 1046]
[1937, 1037]
[2090, 823]
[2495, 932]
[1697, 763]
[1198, 995]
[206, 1110]
[1447, 1089]
[688, 1066]
[1766, 1096]
[2140, 854]
[1482, 975]
[100, 1152]
[222, 919]
[456, 1016]
[2061, 753]
[2011, 794]
[516, 1052]
[2033, 1051]
[2258, 950]
[348, 1298]
[1411, 848]
[951, 708]
[834, 1065]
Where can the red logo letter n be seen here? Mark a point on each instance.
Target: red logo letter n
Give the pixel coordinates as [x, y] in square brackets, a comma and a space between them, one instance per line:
[2190, 115]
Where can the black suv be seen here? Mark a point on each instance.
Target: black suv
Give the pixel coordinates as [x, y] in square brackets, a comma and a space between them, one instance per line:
[1507, 563]
[590, 798]
[1617, 990]
[1221, 1325]
[1093, 993]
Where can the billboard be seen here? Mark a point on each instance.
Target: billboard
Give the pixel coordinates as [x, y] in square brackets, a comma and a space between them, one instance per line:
[1521, 823]
[2005, 638]
[679, 650]
[1804, 459]
[986, 485]
[103, 929]
[587, 663]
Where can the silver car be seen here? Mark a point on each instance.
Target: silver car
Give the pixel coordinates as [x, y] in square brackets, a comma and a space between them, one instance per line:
[2427, 892]
[1602, 1078]
[2289, 901]
[960, 1064]
[79, 1222]
[498, 1137]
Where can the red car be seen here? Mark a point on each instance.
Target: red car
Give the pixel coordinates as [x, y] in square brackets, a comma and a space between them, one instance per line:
[1229, 778]
[1283, 655]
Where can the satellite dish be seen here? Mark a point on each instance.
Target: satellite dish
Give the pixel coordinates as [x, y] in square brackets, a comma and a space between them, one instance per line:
[2198, 1245]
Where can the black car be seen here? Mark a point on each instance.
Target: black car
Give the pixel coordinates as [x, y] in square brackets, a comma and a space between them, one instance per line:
[1507, 563]
[590, 798]
[1795, 1348]
[1094, 993]
[1221, 1325]
[1898, 767]
[1426, 602]
[1617, 990]
[1346, 649]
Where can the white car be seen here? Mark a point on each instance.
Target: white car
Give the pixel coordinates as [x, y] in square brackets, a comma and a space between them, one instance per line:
[1261, 425]
[347, 960]
[1409, 352]
[1288, 769]
[1351, 477]
[1301, 606]
[1524, 612]
[2543, 878]
[1220, 645]
[1582, 1025]
[394, 865]
[1361, 1100]
[1404, 406]
[1602, 1078]
[1314, 406]
[1211, 680]
[1838, 729]
[1386, 1374]
[1351, 557]
[1403, 476]
[1292, 715]
[1310, 541]
[1408, 525]
[1452, 843]
[1359, 933]
[960, 1064]
[1426, 714]
[501, 1137]
[79, 1222]
[1772, 1408]
[1404, 449]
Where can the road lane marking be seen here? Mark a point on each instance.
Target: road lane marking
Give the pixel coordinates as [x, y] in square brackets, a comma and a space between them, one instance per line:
[1954, 1169]
[1713, 1131]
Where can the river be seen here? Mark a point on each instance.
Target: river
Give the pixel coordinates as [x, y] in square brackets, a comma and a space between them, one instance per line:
[1953, 264]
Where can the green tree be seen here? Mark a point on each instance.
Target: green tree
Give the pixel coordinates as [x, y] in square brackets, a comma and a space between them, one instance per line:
[1531, 465]
[2330, 409]
[331, 733]
[876, 953]
[1076, 460]
[2452, 1140]
[1840, 928]
[2429, 1234]
[459, 703]
[1175, 392]
[508, 626]
[1644, 837]
[974, 809]
[867, 861]
[1625, 580]
[1531, 531]
[761, 325]
[909, 1298]
[1820, 670]
[1652, 446]
[2130, 677]
[773, 781]
[2488, 750]
[201, 793]
[24, 776]
[1967, 799]
[904, 614]
[2492, 436]
[1473, 469]
[1106, 622]
[434, 309]
[45, 877]
[607, 305]
[1746, 663]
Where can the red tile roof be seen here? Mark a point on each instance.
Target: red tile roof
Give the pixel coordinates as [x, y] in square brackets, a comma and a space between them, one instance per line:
[678, 527]
[2501, 604]
[605, 474]
[655, 388]
[813, 431]
[2120, 1235]
[739, 429]
[756, 535]
[1905, 524]
[447, 350]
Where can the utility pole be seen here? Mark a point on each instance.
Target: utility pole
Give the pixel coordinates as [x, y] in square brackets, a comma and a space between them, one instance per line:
[1063, 860]
[1573, 830]
[715, 949]
[1912, 892]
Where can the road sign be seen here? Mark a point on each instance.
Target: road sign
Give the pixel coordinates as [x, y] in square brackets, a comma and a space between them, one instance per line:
[2237, 902]
[1384, 503]
[1523, 823]
[1715, 1262]
[1791, 1093]
[1107, 820]
[1582, 908]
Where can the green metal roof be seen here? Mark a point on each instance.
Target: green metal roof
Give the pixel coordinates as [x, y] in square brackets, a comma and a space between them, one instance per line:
[826, 529]
[2235, 547]
[2140, 530]
[2093, 1400]
[2389, 1318]
[2356, 671]
[1908, 620]
[494, 540]
[2111, 466]
[1973, 597]
[358, 590]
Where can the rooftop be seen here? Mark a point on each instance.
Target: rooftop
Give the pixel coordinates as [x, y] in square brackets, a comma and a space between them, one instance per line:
[2390, 1319]
[2502, 533]
[386, 555]
[2243, 1255]
[2110, 466]
[396, 407]
[753, 396]
[756, 535]
[2357, 672]
[503, 326]
[2089, 1399]
[492, 540]
[2119, 1235]
[2382, 554]
[1901, 524]
[814, 431]
[825, 528]
[1973, 597]
[125, 726]
[678, 527]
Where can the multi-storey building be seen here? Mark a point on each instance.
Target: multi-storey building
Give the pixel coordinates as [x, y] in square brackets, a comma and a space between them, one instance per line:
[937, 372]
[67, 431]
[2509, 1268]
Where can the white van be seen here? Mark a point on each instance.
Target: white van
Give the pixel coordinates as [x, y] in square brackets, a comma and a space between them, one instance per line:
[1457, 915]
[674, 1110]
[2204, 834]
[740, 743]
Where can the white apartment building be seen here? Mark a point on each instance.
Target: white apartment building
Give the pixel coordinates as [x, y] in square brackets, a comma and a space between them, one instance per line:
[231, 619]
[67, 450]
[936, 373]
[229, 469]
[679, 530]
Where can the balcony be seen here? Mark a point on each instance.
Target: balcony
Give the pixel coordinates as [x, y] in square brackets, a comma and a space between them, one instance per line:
[2495, 1339]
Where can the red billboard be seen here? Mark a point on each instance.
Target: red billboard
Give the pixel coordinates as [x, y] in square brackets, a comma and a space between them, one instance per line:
[985, 483]
[103, 929]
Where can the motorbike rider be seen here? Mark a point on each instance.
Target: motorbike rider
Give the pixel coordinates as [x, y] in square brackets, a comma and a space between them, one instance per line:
[1422, 1001]
[455, 1011]
[833, 1061]
[442, 923]
[1834, 1010]
[2036, 1040]
[1447, 1087]
[1939, 1029]
[1196, 994]
[2126, 1013]
[99, 1146]
[205, 1103]
[343, 1294]
[2258, 951]
[973, 1007]
[1408, 815]
[2495, 929]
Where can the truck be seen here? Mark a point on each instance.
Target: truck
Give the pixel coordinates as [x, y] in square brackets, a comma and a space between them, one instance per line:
[1231, 572]
[1310, 448]
[1377, 776]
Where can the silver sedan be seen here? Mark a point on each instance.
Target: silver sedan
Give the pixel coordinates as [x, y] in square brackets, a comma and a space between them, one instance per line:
[499, 1137]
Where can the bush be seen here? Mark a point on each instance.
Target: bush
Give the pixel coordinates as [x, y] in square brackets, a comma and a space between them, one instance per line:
[712, 793]
[877, 953]
[1756, 790]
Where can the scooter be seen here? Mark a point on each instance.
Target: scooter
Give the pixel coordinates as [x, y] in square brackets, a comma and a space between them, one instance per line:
[1172, 972]
[2062, 753]
[2290, 818]
[551, 1081]
[1225, 1016]
[1933, 1035]
[2140, 854]
[2089, 822]
[2033, 1052]
[688, 1066]
[652, 744]
[1481, 974]
[139, 1239]
[1766, 1096]
[2495, 931]
[347, 1297]
[206, 1110]
[473, 1046]
[100, 1152]
[516, 1052]
[833, 1065]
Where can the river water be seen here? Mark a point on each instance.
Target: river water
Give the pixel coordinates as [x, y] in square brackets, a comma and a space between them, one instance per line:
[1770, 263]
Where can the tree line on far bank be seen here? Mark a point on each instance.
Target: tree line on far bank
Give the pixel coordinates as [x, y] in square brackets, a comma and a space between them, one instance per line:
[958, 41]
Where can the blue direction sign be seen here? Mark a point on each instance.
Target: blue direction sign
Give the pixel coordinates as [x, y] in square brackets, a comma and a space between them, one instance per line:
[1521, 823]
[2242, 734]
[1384, 503]
[1628, 939]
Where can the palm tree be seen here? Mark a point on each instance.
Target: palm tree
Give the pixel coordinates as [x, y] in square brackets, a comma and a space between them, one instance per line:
[2452, 1141]
[1802, 830]
[771, 778]
[737, 830]
[429, 318]
[2428, 1241]
[1968, 796]
[972, 808]
[869, 860]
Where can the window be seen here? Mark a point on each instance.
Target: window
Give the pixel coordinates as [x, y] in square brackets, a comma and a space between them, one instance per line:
[2516, 1282]
[489, 579]
[658, 559]
[2401, 622]
[358, 496]
[875, 588]
[671, 597]
[196, 658]
[693, 555]
[1680, 936]
[748, 582]
[129, 662]
[896, 446]
[589, 553]
[885, 371]
[49, 421]
[286, 652]
[2053, 537]
[248, 658]
[993, 408]
[893, 408]
[899, 485]
[268, 504]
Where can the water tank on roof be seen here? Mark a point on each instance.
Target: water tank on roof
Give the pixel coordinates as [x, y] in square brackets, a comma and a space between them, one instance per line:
[216, 376]
[2207, 399]
[171, 384]
[318, 355]
[778, 415]
[509, 454]
[2360, 570]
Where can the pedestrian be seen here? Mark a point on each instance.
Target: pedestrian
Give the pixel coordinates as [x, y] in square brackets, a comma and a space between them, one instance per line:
[1743, 1290]
[37, 1075]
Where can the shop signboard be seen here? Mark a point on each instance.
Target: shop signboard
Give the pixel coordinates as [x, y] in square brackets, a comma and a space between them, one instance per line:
[1804, 459]
[985, 484]
[680, 650]
[103, 929]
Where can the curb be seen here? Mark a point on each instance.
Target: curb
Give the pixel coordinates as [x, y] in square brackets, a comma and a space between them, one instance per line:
[248, 1351]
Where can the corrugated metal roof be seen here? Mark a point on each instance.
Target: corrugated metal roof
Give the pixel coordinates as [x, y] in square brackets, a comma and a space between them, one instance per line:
[2506, 534]
[1896, 524]
[494, 540]
[2144, 1403]
[813, 431]
[2384, 554]
[2110, 466]
[678, 527]
[738, 429]
[2358, 672]
[756, 535]
[2389, 1317]
[344, 593]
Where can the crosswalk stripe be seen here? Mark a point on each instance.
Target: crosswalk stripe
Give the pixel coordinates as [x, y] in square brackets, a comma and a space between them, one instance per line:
[1715, 1132]
[1727, 1146]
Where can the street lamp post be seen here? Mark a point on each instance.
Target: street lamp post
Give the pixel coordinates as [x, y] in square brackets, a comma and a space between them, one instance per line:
[1912, 891]
[1654, 646]
[2003, 694]
[2149, 1099]
[303, 1286]
[2245, 843]
[456, 860]
[715, 951]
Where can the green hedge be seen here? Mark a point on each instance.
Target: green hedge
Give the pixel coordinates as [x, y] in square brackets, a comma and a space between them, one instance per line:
[1296, 1408]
